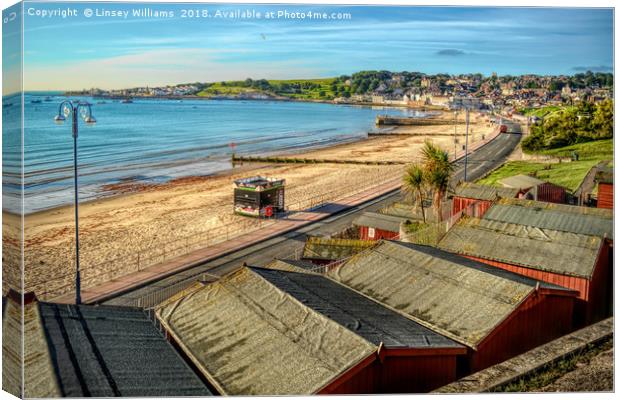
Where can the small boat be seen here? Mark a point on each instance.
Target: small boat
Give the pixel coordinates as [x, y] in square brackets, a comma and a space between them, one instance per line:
[37, 101]
[48, 98]
[127, 101]
[102, 102]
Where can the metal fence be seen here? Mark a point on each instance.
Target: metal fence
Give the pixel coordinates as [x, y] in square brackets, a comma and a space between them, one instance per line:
[131, 260]
[428, 236]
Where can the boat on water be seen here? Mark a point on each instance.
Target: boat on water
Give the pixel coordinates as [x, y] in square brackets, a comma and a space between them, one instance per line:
[127, 101]
[37, 101]
[102, 102]
[48, 98]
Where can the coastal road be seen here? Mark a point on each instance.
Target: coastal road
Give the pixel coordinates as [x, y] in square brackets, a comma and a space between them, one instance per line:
[479, 163]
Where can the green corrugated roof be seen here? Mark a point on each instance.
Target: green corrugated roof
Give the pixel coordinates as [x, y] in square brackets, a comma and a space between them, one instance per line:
[528, 246]
[561, 217]
[321, 248]
[379, 221]
[520, 182]
[250, 338]
[39, 374]
[483, 192]
[452, 295]
[409, 211]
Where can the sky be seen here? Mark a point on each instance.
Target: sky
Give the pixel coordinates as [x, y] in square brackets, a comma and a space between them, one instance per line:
[108, 52]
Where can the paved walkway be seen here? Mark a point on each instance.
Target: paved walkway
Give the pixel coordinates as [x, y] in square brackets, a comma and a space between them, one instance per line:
[169, 267]
[587, 185]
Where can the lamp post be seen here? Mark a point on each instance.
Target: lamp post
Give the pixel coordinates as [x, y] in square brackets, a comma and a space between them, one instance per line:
[65, 109]
[466, 141]
[455, 122]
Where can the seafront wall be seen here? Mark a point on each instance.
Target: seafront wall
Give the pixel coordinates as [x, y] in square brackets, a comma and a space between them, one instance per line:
[533, 361]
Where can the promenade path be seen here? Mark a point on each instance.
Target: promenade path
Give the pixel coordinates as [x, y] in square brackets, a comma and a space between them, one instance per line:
[292, 222]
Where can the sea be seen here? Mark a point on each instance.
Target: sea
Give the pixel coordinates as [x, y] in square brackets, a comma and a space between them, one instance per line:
[156, 140]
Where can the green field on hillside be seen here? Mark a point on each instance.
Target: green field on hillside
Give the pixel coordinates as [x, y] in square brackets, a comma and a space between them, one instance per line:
[569, 174]
[541, 111]
[307, 89]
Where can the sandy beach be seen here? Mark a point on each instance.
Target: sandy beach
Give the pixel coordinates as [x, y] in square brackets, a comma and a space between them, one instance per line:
[148, 224]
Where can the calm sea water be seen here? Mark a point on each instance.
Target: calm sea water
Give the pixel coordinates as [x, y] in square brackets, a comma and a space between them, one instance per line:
[158, 140]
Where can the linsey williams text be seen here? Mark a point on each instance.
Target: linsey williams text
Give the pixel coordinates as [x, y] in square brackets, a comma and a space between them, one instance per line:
[136, 12]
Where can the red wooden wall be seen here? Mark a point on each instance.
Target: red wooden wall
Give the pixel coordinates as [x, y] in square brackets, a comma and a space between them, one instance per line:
[605, 195]
[379, 234]
[400, 371]
[541, 318]
[551, 193]
[461, 203]
[594, 293]
[361, 379]
[416, 374]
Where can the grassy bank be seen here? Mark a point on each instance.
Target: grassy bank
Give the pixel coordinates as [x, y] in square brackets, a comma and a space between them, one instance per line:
[566, 173]
[577, 364]
[306, 89]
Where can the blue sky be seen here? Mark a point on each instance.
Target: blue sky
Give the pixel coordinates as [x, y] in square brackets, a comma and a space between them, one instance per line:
[79, 52]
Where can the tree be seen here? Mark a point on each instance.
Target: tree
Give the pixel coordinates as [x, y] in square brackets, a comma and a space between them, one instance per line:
[603, 120]
[414, 185]
[438, 170]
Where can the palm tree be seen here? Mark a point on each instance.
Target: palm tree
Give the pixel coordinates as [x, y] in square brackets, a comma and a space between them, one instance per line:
[414, 184]
[437, 171]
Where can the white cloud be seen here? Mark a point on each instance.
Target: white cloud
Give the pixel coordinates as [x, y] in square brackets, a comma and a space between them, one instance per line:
[157, 67]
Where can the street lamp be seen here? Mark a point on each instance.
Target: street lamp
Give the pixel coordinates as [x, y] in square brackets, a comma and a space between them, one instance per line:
[65, 109]
[456, 112]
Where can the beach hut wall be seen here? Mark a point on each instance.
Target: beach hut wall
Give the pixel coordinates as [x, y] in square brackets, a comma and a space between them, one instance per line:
[605, 195]
[467, 194]
[376, 226]
[575, 261]
[492, 311]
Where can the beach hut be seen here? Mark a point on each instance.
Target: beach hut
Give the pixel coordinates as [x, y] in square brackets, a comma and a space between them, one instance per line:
[560, 217]
[467, 194]
[89, 351]
[411, 212]
[323, 250]
[573, 260]
[412, 357]
[535, 189]
[376, 226]
[247, 337]
[497, 314]
[259, 196]
[605, 181]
